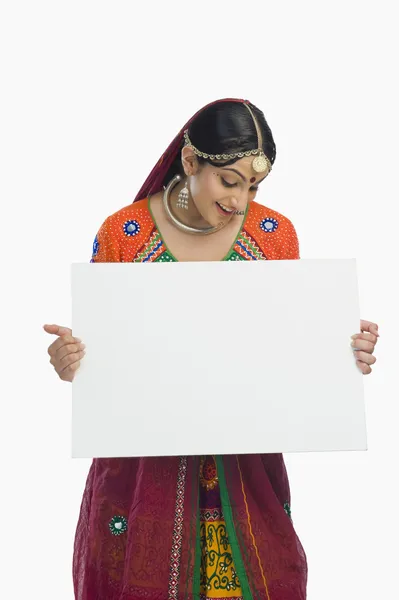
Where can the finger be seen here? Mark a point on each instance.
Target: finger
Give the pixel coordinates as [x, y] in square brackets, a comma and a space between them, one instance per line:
[365, 369]
[364, 345]
[61, 363]
[60, 342]
[365, 357]
[57, 329]
[64, 374]
[69, 359]
[369, 326]
[368, 337]
[67, 350]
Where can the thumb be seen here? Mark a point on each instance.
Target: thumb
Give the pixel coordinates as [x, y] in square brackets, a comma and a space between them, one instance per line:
[57, 329]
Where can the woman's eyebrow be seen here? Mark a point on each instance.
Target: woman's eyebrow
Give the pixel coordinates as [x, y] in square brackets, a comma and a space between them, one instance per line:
[235, 171]
[241, 175]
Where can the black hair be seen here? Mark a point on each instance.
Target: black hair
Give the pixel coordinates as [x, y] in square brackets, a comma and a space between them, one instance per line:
[225, 128]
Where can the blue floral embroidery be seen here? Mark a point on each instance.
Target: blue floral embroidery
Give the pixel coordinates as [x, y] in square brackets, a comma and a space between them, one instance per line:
[118, 525]
[269, 225]
[96, 247]
[131, 228]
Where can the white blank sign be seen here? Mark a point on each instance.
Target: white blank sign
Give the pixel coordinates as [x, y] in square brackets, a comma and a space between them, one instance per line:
[216, 358]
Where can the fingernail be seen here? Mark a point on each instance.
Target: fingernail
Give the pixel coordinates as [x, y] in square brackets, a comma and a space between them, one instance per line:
[354, 336]
[83, 346]
[77, 339]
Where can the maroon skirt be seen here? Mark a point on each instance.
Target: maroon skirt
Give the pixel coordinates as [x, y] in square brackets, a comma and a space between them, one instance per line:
[175, 528]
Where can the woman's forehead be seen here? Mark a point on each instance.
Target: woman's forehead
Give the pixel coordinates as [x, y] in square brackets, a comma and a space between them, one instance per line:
[244, 166]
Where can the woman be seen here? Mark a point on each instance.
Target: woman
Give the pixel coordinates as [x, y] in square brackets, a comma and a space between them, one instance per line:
[188, 527]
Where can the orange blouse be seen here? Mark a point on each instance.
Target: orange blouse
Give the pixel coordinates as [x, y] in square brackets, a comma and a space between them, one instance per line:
[131, 235]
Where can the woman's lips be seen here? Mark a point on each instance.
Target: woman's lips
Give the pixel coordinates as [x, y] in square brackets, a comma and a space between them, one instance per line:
[223, 212]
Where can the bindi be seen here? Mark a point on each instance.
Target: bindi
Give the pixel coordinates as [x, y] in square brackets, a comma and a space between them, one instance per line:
[252, 179]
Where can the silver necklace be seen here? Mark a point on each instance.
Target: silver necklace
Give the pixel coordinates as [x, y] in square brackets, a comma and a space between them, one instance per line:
[175, 221]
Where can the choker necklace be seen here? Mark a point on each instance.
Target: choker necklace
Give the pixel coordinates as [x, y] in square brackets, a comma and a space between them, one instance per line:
[175, 221]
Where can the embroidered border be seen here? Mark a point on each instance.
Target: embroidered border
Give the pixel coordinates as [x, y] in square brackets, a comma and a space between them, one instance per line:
[210, 515]
[227, 508]
[247, 247]
[204, 597]
[177, 531]
[250, 530]
[153, 249]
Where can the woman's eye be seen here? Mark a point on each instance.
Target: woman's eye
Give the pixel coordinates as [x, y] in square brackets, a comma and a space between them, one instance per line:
[227, 184]
[230, 185]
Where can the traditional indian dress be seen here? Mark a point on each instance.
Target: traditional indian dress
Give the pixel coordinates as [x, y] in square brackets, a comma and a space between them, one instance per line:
[188, 527]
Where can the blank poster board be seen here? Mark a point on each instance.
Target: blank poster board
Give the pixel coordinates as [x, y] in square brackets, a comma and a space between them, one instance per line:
[216, 358]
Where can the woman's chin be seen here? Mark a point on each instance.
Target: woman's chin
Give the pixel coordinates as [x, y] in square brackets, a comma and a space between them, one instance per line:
[212, 218]
[214, 222]
[208, 221]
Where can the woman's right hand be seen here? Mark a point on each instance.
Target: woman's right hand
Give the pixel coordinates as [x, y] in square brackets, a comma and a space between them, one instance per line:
[65, 352]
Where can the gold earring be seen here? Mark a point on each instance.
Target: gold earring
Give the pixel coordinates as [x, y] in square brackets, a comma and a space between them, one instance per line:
[182, 199]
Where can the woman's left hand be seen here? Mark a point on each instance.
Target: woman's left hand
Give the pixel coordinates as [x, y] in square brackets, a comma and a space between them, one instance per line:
[363, 346]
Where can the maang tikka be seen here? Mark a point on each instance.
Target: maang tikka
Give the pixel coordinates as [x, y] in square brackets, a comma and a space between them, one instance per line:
[260, 163]
[182, 199]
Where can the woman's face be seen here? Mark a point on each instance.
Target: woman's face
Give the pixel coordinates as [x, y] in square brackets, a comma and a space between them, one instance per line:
[217, 192]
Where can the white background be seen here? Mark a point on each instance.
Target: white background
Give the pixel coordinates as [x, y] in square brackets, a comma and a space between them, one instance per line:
[92, 94]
